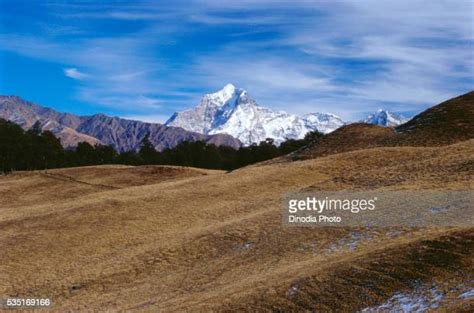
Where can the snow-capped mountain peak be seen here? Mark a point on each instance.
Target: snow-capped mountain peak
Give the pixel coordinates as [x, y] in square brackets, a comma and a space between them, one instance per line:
[385, 118]
[221, 97]
[232, 111]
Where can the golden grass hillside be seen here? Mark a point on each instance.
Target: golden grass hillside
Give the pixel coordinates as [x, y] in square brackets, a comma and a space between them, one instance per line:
[350, 137]
[177, 239]
[445, 123]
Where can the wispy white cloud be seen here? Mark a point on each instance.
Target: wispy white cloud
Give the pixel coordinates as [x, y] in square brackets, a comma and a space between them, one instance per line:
[74, 73]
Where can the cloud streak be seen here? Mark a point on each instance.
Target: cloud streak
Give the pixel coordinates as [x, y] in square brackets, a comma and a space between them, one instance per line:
[73, 73]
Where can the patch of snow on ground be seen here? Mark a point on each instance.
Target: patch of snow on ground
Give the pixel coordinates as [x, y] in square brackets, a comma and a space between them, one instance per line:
[245, 246]
[467, 294]
[418, 301]
[351, 242]
[313, 247]
[438, 210]
[395, 233]
[293, 291]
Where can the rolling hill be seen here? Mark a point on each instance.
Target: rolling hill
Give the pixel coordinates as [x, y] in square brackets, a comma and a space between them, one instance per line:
[168, 239]
[446, 123]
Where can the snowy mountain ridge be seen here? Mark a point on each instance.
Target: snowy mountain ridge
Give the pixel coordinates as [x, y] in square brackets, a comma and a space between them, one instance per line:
[385, 118]
[232, 111]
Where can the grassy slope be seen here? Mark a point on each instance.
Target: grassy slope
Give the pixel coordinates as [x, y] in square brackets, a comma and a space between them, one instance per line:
[207, 240]
[347, 138]
[446, 123]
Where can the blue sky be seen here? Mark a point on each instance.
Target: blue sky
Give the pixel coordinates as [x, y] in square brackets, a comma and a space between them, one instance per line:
[147, 59]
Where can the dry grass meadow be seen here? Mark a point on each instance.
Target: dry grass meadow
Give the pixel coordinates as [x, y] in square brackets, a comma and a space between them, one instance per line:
[173, 239]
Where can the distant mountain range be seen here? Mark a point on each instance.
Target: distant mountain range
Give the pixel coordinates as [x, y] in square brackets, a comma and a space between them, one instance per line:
[385, 118]
[232, 111]
[227, 117]
[122, 134]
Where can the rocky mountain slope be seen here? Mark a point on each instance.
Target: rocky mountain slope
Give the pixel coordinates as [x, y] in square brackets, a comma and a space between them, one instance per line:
[122, 134]
[232, 111]
[385, 118]
[69, 137]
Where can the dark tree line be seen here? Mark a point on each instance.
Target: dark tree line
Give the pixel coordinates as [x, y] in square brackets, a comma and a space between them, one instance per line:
[35, 150]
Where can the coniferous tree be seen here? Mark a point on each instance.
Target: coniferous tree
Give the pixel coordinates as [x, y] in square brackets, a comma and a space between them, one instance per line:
[36, 128]
[12, 144]
[147, 152]
[105, 154]
[313, 137]
[51, 150]
[86, 154]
